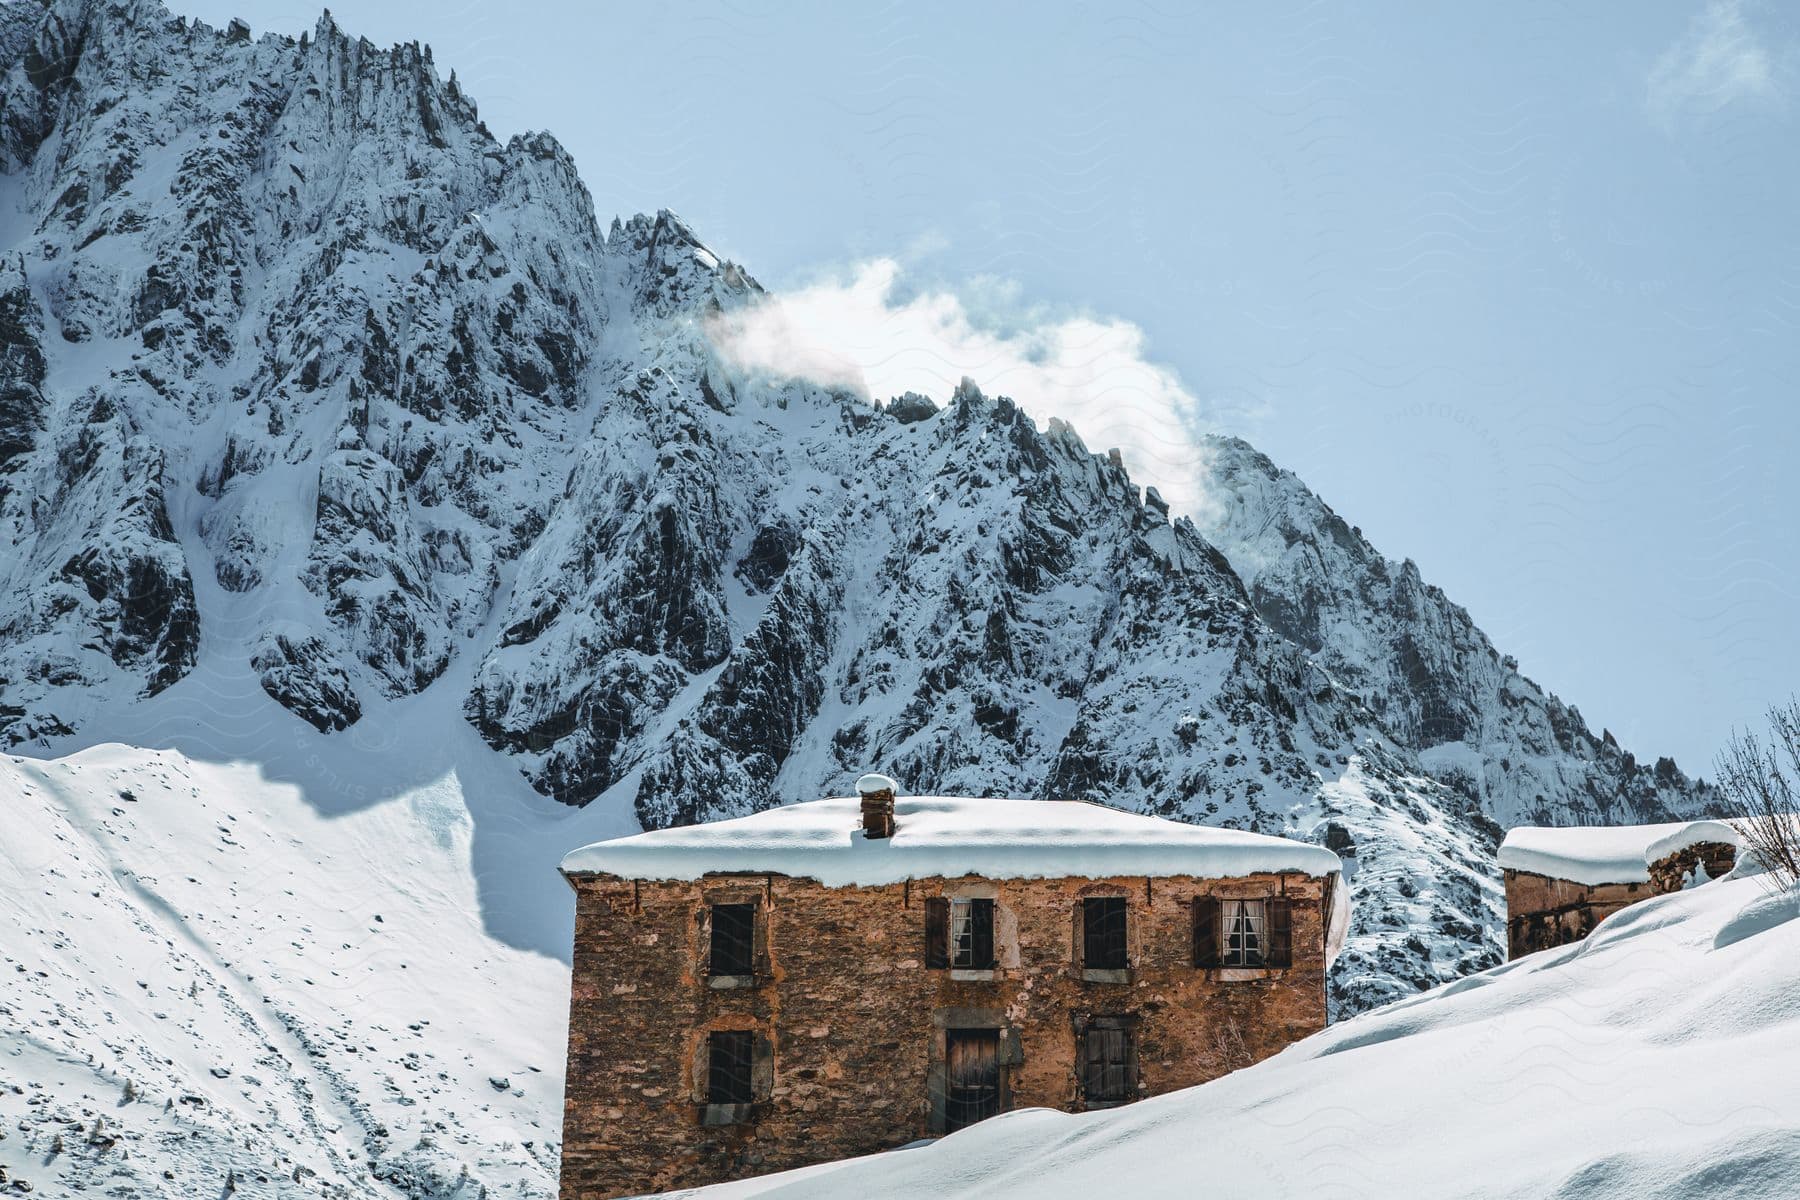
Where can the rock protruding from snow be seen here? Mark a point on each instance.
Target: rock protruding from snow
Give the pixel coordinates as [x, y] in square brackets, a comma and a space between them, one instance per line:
[301, 676]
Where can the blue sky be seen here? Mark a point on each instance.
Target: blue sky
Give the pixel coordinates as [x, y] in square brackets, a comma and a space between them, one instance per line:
[1515, 290]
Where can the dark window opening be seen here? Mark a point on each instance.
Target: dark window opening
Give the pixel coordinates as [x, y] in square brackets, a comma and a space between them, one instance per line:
[1103, 933]
[733, 939]
[728, 1055]
[1108, 1062]
[972, 1077]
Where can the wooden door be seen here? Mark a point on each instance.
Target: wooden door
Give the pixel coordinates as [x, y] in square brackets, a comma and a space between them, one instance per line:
[1108, 1068]
[972, 1075]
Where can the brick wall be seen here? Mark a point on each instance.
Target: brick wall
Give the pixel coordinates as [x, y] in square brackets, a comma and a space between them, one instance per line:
[851, 1025]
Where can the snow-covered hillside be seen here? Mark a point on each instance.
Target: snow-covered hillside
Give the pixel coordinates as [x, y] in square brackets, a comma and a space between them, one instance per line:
[1655, 1059]
[212, 974]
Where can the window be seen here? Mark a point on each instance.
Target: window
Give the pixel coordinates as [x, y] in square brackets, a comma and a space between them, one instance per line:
[733, 940]
[1243, 933]
[959, 933]
[971, 1076]
[1103, 933]
[1108, 1054]
[728, 1059]
[1246, 933]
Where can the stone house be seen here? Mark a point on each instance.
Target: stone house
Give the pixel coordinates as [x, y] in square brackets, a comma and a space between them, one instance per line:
[845, 976]
[1562, 882]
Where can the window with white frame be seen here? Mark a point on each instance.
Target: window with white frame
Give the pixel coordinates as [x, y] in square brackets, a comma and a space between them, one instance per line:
[962, 934]
[1246, 933]
[959, 933]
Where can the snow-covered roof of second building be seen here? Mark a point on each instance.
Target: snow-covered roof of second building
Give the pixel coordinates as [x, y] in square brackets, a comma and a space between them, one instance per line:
[944, 836]
[1593, 854]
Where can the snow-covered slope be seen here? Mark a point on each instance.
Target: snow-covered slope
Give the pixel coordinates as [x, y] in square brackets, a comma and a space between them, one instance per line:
[1654, 1059]
[210, 973]
[1420, 663]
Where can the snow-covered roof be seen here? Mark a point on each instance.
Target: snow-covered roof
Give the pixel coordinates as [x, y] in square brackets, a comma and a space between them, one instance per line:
[1594, 854]
[949, 836]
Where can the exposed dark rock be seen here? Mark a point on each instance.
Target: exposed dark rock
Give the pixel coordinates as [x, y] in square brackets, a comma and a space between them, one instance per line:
[911, 407]
[304, 678]
[21, 365]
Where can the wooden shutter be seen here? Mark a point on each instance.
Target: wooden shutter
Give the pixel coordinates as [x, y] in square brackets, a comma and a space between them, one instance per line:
[981, 934]
[1281, 932]
[937, 933]
[1206, 931]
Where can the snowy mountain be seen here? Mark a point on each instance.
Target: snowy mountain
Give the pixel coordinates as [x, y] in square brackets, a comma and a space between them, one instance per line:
[1435, 681]
[1652, 1059]
[348, 469]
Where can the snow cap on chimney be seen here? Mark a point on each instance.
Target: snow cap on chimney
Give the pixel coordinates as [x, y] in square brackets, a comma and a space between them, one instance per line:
[877, 792]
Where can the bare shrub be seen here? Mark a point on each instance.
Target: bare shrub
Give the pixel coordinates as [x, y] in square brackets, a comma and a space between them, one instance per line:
[1760, 778]
[1230, 1047]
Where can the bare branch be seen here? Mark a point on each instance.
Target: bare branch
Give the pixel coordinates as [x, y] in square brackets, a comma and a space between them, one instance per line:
[1761, 784]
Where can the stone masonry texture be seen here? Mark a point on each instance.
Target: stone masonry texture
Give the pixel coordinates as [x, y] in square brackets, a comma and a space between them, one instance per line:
[1542, 912]
[850, 1024]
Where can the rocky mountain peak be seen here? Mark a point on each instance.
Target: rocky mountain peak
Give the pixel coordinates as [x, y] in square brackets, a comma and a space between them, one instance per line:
[1420, 663]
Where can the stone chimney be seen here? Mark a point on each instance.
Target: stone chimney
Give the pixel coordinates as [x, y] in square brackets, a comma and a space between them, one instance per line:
[877, 792]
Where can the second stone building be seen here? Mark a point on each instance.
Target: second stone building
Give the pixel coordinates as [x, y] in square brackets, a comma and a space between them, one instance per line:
[843, 976]
[1562, 882]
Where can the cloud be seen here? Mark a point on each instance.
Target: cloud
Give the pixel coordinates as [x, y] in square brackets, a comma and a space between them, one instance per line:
[1720, 60]
[868, 333]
